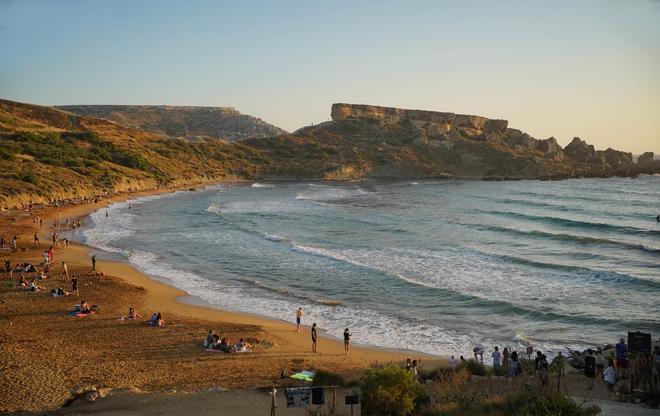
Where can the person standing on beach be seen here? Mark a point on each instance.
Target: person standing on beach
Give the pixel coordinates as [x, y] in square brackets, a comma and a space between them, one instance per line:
[13, 242]
[621, 354]
[347, 340]
[314, 337]
[94, 262]
[299, 315]
[36, 238]
[496, 358]
[65, 271]
[74, 285]
[505, 358]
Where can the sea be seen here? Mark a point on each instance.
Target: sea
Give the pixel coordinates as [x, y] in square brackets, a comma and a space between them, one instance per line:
[434, 266]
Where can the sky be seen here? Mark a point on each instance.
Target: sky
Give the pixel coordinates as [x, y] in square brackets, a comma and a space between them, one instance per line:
[562, 68]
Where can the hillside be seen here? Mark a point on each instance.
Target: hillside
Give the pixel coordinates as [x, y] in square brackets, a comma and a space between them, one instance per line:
[181, 121]
[48, 154]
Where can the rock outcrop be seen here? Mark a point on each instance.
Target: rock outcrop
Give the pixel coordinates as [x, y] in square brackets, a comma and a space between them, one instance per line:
[647, 163]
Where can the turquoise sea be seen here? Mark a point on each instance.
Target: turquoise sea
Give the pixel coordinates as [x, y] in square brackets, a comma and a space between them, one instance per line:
[432, 266]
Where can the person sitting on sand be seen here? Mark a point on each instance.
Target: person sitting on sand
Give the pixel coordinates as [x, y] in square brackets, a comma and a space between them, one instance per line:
[157, 320]
[21, 280]
[223, 346]
[243, 346]
[210, 340]
[132, 314]
[84, 307]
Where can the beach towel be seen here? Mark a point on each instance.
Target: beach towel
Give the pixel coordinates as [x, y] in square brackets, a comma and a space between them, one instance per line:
[80, 314]
[304, 375]
[213, 350]
[297, 397]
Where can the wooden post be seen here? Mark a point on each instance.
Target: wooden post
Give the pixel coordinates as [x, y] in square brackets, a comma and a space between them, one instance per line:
[334, 399]
[273, 404]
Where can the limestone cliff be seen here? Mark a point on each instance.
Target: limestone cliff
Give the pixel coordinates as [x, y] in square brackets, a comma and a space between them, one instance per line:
[432, 121]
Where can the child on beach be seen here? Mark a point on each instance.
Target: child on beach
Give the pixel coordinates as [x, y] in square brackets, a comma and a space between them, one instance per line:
[609, 376]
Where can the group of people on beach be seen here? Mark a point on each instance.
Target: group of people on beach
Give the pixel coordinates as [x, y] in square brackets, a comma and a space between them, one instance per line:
[314, 334]
[215, 342]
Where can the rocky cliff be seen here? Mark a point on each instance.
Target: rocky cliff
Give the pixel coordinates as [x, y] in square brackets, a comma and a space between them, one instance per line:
[383, 142]
[47, 154]
[432, 121]
[181, 121]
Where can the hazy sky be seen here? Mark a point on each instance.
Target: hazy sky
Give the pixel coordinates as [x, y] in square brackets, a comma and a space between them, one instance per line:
[563, 69]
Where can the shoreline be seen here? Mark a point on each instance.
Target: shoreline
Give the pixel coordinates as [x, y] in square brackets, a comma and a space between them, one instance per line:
[185, 304]
[109, 352]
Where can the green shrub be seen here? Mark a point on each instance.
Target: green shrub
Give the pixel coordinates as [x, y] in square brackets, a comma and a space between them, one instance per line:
[525, 403]
[475, 368]
[28, 176]
[390, 390]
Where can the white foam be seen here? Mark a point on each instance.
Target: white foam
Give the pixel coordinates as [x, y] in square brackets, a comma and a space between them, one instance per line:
[274, 237]
[262, 185]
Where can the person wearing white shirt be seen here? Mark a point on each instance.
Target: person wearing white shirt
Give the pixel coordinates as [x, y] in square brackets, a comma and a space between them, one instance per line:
[453, 362]
[496, 357]
[609, 376]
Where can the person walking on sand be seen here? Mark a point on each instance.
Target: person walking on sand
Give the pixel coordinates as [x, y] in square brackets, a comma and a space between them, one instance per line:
[93, 262]
[347, 340]
[65, 271]
[314, 337]
[36, 238]
[299, 315]
[13, 242]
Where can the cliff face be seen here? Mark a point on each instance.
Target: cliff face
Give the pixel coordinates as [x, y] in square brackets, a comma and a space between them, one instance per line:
[181, 121]
[431, 120]
[383, 142]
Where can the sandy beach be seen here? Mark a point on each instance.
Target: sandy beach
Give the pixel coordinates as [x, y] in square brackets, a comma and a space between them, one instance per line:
[45, 351]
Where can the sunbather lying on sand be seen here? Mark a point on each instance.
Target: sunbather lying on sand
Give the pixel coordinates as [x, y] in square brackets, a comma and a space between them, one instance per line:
[59, 292]
[34, 287]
